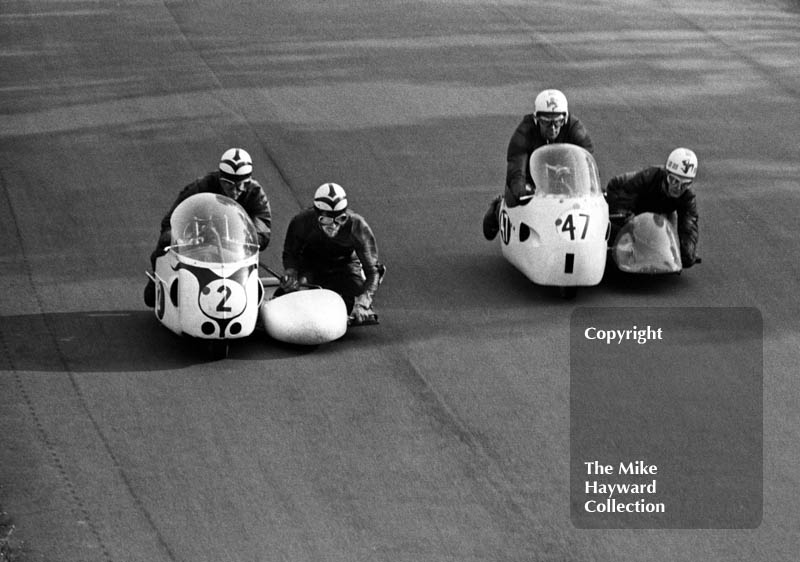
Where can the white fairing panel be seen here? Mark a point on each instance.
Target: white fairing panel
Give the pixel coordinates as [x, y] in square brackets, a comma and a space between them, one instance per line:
[648, 243]
[559, 237]
[306, 317]
[207, 284]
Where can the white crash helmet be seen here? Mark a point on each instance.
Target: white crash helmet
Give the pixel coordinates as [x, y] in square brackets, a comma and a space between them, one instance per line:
[551, 101]
[236, 165]
[330, 198]
[682, 162]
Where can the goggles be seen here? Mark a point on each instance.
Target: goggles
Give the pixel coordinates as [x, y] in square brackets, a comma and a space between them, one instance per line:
[555, 121]
[674, 181]
[235, 185]
[339, 220]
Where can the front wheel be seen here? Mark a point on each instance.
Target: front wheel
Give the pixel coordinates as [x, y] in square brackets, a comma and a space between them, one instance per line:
[218, 349]
[568, 292]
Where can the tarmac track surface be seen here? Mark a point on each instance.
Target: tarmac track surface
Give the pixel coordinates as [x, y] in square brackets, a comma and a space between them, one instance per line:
[442, 434]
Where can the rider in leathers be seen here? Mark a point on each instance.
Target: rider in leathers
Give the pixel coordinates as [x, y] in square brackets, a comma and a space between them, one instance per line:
[660, 189]
[330, 245]
[550, 123]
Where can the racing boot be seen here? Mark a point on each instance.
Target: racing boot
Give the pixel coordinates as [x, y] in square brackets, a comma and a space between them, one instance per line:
[491, 220]
[150, 294]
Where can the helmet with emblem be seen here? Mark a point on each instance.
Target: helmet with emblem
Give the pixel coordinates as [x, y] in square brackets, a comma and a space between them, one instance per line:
[551, 103]
[330, 199]
[682, 162]
[236, 165]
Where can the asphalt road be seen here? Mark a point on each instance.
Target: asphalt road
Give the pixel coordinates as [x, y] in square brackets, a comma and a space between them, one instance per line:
[442, 434]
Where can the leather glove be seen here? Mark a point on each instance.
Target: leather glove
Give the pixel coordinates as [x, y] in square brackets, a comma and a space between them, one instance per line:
[621, 216]
[263, 241]
[362, 310]
[526, 197]
[688, 261]
[361, 314]
[289, 281]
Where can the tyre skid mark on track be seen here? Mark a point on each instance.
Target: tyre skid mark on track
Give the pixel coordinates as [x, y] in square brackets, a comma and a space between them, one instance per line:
[770, 74]
[56, 457]
[239, 115]
[495, 489]
[559, 53]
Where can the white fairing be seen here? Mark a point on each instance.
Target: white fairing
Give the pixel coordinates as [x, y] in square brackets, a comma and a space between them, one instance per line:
[306, 317]
[559, 237]
[648, 243]
[207, 283]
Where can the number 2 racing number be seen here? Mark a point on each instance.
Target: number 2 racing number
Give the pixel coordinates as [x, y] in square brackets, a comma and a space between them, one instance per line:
[223, 298]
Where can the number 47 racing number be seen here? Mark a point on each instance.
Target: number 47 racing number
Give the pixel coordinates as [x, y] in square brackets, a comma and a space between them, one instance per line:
[573, 225]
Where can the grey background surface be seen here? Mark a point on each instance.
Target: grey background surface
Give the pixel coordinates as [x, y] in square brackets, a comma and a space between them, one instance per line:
[442, 434]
